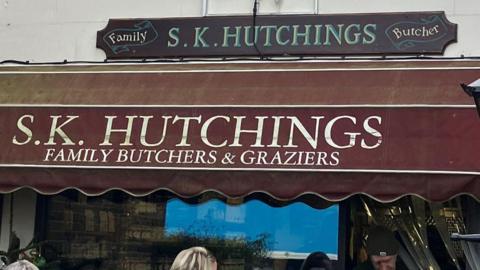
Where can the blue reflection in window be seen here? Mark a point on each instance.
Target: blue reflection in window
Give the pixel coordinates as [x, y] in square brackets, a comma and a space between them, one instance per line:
[296, 228]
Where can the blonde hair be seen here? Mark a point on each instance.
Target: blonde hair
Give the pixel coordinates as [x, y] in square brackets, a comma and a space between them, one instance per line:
[194, 258]
[21, 265]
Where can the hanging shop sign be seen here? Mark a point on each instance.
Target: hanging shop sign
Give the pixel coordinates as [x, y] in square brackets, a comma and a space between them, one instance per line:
[345, 34]
[240, 138]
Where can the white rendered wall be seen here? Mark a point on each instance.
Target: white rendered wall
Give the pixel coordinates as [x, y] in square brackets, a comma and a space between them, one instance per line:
[54, 30]
[23, 217]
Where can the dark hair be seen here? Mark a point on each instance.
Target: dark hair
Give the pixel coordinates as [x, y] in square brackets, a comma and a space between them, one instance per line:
[317, 260]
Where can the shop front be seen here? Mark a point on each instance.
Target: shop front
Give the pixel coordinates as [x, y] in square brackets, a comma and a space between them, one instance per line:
[263, 163]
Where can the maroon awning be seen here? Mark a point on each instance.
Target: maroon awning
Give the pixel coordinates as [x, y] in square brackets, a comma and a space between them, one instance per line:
[386, 129]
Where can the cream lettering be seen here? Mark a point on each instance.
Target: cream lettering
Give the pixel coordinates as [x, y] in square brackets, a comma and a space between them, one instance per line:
[304, 139]
[143, 132]
[217, 131]
[300, 127]
[186, 125]
[26, 131]
[132, 37]
[352, 135]
[257, 131]
[127, 130]
[422, 32]
[375, 133]
[75, 155]
[204, 131]
[58, 130]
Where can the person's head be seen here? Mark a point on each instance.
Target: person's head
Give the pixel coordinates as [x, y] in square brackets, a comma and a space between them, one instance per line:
[382, 248]
[317, 261]
[194, 258]
[21, 265]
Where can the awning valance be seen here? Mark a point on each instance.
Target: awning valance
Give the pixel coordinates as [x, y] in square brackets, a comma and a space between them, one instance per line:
[386, 129]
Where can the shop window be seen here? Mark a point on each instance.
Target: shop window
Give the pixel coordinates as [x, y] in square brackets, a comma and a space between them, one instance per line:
[291, 231]
[121, 232]
[423, 228]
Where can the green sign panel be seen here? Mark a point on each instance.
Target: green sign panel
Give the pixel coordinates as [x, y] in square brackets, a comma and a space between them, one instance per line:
[345, 34]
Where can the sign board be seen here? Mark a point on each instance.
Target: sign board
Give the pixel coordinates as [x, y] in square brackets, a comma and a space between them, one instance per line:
[240, 138]
[411, 33]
